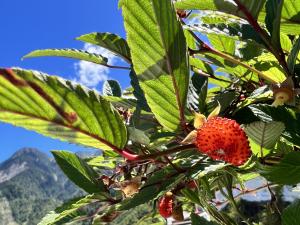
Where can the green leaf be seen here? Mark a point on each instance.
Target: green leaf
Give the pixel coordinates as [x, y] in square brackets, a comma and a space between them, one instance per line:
[291, 10]
[273, 17]
[198, 93]
[199, 64]
[69, 53]
[285, 172]
[68, 211]
[290, 17]
[191, 195]
[78, 171]
[138, 92]
[222, 43]
[288, 116]
[126, 103]
[225, 99]
[291, 214]
[253, 6]
[286, 42]
[59, 109]
[112, 42]
[102, 162]
[293, 56]
[138, 136]
[265, 134]
[112, 88]
[159, 56]
[198, 220]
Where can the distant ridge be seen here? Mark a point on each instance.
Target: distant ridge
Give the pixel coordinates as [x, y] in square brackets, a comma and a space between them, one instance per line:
[31, 184]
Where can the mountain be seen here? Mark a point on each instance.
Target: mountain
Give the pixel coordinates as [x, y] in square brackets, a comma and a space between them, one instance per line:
[31, 184]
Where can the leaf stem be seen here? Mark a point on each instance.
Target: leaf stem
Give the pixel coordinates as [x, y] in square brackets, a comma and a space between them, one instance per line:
[212, 76]
[131, 157]
[238, 62]
[205, 47]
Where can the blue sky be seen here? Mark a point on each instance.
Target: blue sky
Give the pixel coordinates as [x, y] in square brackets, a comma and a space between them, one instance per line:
[35, 24]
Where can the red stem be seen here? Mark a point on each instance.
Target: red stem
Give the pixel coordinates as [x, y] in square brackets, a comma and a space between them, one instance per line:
[126, 153]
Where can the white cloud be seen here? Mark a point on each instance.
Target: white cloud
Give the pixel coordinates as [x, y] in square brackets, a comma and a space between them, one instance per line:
[91, 74]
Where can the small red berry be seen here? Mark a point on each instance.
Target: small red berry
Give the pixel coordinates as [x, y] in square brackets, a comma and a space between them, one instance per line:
[181, 13]
[192, 184]
[166, 205]
[223, 139]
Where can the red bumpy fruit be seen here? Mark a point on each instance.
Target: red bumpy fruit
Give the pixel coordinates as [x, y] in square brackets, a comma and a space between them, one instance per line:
[166, 205]
[223, 139]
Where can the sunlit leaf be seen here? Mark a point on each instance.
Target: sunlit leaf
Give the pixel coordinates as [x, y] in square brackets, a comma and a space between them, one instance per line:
[159, 56]
[59, 109]
[69, 53]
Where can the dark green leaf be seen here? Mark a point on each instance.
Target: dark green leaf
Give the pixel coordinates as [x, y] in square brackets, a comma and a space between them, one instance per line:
[273, 17]
[78, 171]
[191, 195]
[265, 134]
[293, 56]
[197, 93]
[283, 114]
[68, 211]
[198, 220]
[112, 88]
[112, 42]
[159, 55]
[138, 92]
[286, 172]
[291, 214]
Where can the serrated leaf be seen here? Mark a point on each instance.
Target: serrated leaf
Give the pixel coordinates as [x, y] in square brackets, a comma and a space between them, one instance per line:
[69, 210]
[69, 53]
[224, 99]
[253, 6]
[78, 171]
[291, 61]
[291, 214]
[273, 18]
[59, 109]
[112, 88]
[110, 41]
[159, 56]
[285, 172]
[222, 43]
[265, 134]
[138, 92]
[197, 93]
[288, 116]
[126, 103]
[102, 162]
